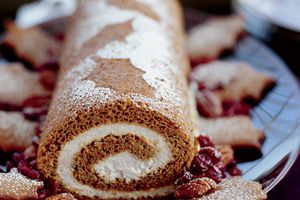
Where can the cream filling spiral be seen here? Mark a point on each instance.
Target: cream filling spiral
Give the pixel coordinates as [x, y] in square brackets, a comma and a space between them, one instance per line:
[121, 166]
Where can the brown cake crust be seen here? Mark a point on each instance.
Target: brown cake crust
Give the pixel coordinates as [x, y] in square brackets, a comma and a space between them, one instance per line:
[94, 91]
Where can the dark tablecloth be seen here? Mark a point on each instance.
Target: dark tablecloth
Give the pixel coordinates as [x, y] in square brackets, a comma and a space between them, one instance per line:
[289, 187]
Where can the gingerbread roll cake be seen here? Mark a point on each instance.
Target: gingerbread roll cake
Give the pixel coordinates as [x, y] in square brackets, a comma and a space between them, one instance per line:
[119, 125]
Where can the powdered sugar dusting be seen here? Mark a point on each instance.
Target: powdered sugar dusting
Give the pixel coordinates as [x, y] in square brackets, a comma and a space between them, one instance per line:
[16, 186]
[88, 89]
[83, 68]
[103, 15]
[148, 49]
[81, 88]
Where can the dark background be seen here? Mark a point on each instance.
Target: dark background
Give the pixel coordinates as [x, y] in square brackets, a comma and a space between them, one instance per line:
[8, 7]
[285, 42]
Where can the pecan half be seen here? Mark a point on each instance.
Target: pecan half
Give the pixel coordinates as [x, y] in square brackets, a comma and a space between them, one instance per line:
[195, 188]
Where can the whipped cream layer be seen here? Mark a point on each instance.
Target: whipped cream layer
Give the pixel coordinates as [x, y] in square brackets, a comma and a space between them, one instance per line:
[121, 166]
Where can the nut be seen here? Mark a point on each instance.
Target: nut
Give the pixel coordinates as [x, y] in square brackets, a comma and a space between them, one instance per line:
[195, 188]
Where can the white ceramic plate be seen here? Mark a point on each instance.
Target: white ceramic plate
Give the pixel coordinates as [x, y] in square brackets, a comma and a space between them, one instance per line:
[278, 114]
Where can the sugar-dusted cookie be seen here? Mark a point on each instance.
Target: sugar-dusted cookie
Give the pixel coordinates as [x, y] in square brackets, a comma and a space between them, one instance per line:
[236, 188]
[16, 133]
[18, 84]
[31, 45]
[232, 80]
[207, 41]
[14, 185]
[236, 131]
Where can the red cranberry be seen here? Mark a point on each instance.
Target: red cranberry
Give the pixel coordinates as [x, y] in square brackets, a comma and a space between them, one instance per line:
[200, 164]
[35, 141]
[215, 174]
[50, 65]
[42, 118]
[187, 176]
[222, 169]
[18, 157]
[60, 36]
[27, 170]
[36, 102]
[214, 155]
[35, 114]
[47, 79]
[38, 129]
[50, 188]
[9, 107]
[197, 61]
[231, 108]
[33, 163]
[205, 141]
[212, 173]
[233, 170]
[201, 86]
[36, 108]
[42, 193]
